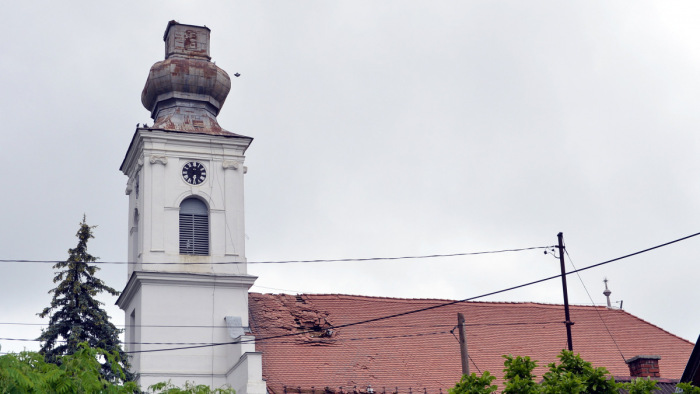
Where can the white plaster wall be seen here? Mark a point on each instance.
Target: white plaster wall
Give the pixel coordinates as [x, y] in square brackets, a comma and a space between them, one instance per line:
[246, 376]
[182, 305]
[132, 337]
[159, 156]
[177, 310]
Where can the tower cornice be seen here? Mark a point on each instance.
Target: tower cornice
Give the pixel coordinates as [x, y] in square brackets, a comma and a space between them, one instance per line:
[238, 141]
[139, 278]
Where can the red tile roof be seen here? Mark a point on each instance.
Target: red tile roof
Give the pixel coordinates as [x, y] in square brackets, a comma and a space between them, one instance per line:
[418, 352]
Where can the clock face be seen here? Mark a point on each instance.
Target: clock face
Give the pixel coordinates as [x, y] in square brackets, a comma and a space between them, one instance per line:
[194, 173]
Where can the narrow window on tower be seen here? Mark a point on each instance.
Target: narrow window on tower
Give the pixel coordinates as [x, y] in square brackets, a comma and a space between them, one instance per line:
[194, 227]
[131, 341]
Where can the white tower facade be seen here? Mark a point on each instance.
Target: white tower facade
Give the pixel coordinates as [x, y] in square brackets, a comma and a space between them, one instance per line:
[186, 301]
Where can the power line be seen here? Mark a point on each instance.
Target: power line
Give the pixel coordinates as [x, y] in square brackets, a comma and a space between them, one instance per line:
[278, 342]
[267, 327]
[208, 344]
[430, 256]
[434, 306]
[596, 309]
[422, 334]
[277, 288]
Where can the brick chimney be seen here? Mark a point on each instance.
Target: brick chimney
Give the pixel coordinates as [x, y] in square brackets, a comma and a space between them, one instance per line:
[644, 366]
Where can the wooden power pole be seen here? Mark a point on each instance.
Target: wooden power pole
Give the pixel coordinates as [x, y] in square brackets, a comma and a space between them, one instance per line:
[463, 344]
[568, 321]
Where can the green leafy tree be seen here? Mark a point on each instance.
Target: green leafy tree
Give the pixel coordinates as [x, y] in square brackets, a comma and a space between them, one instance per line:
[572, 375]
[640, 386]
[473, 384]
[575, 375]
[518, 375]
[688, 388]
[75, 316]
[188, 388]
[79, 372]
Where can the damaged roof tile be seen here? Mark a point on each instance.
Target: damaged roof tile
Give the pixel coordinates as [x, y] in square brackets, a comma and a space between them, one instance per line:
[417, 352]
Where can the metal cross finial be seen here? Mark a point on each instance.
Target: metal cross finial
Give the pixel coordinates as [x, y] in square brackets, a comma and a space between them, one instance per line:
[607, 292]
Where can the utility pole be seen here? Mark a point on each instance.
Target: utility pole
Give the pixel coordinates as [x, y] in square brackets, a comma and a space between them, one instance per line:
[568, 322]
[463, 344]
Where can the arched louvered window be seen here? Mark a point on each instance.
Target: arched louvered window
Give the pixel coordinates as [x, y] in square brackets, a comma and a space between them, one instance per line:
[194, 227]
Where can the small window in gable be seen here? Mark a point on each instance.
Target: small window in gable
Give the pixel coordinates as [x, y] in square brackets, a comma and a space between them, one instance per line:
[194, 227]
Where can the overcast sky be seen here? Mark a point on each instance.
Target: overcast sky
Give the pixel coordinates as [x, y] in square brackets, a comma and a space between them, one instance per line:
[391, 128]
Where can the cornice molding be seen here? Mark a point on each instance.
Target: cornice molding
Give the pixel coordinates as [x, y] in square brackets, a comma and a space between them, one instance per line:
[139, 279]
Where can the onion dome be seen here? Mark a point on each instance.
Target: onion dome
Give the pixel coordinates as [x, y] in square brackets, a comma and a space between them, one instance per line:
[186, 91]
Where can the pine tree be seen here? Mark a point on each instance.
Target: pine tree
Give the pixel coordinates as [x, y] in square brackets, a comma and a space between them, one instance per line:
[75, 316]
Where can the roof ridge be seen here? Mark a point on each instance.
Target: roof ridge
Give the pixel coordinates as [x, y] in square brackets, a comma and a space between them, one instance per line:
[659, 327]
[446, 300]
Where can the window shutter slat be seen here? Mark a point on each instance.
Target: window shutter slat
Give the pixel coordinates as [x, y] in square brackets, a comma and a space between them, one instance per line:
[194, 228]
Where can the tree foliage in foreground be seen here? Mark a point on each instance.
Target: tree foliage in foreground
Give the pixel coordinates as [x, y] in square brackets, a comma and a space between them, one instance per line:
[80, 372]
[188, 388]
[75, 316]
[688, 388]
[571, 375]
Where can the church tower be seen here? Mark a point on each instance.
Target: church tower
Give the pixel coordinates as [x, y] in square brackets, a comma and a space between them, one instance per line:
[186, 301]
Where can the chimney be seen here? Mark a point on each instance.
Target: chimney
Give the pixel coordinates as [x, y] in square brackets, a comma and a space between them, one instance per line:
[644, 366]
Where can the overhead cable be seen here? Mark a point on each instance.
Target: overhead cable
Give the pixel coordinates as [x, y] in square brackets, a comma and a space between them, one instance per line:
[260, 339]
[420, 334]
[267, 327]
[600, 315]
[430, 307]
[430, 256]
